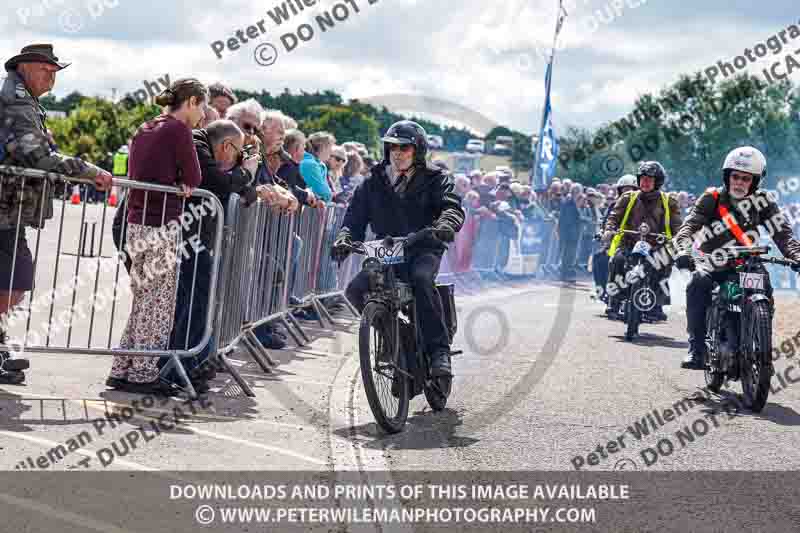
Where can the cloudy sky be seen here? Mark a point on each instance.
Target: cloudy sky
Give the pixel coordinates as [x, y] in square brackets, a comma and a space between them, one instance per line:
[480, 54]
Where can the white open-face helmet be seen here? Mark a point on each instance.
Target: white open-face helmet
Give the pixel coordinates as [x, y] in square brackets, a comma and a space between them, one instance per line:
[745, 159]
[628, 180]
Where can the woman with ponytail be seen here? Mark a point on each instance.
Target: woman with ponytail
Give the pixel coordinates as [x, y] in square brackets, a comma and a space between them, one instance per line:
[162, 152]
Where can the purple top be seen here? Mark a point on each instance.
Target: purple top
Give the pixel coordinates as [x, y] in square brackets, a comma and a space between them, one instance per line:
[162, 152]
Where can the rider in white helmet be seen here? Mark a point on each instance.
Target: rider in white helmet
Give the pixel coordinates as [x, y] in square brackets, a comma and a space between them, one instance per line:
[748, 207]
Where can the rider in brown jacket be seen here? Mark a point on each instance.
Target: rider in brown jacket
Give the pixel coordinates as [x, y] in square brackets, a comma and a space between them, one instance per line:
[650, 205]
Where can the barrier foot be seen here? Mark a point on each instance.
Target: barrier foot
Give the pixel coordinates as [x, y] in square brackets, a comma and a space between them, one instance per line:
[254, 354]
[285, 320]
[189, 388]
[317, 307]
[350, 307]
[321, 308]
[260, 347]
[234, 372]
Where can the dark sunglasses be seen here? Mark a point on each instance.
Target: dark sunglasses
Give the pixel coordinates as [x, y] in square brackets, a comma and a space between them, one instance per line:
[340, 159]
[249, 128]
[402, 147]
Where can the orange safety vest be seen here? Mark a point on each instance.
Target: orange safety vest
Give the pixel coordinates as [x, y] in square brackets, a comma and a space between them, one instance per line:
[730, 222]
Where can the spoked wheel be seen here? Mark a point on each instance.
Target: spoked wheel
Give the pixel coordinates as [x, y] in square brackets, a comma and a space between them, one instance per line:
[437, 390]
[633, 316]
[714, 375]
[756, 373]
[386, 387]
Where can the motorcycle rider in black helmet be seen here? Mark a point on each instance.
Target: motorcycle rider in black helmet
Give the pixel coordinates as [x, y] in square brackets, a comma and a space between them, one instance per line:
[650, 205]
[403, 195]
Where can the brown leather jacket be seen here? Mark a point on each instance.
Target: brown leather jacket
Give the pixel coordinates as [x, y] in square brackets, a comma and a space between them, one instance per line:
[649, 210]
[704, 224]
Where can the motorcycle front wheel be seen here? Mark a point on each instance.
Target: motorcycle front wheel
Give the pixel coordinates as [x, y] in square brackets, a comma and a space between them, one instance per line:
[756, 355]
[385, 385]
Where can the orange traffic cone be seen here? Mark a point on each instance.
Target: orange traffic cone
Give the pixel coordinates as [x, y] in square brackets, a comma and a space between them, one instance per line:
[112, 198]
[76, 195]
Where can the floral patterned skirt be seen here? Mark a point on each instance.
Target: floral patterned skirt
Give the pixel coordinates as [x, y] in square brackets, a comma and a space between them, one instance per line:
[153, 273]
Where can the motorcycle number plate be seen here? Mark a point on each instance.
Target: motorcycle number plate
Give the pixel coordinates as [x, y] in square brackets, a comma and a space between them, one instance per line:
[752, 281]
[384, 254]
[642, 248]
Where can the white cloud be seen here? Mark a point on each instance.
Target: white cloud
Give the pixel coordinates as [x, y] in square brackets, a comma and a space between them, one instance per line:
[482, 55]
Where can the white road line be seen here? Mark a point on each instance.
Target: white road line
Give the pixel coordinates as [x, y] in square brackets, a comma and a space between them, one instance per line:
[219, 436]
[267, 447]
[80, 451]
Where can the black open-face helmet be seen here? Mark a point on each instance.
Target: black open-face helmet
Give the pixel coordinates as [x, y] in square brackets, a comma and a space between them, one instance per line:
[654, 169]
[407, 132]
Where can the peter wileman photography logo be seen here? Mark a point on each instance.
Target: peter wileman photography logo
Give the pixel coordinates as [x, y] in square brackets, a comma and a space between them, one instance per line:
[70, 19]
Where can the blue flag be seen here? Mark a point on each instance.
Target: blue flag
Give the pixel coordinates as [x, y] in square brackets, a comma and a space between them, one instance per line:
[548, 142]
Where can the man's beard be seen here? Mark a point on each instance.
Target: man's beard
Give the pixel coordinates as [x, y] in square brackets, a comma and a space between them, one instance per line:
[739, 195]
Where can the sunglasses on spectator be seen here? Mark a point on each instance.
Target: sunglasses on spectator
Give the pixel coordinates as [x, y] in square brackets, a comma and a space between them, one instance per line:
[249, 128]
[340, 159]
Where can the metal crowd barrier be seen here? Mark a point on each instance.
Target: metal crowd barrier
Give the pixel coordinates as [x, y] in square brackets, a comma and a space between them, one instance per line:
[268, 257]
[100, 277]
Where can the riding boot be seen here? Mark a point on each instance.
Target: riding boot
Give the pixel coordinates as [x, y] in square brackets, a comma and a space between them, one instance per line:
[696, 358]
[440, 364]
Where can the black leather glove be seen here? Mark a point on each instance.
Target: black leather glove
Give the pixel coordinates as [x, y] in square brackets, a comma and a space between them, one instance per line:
[341, 248]
[685, 262]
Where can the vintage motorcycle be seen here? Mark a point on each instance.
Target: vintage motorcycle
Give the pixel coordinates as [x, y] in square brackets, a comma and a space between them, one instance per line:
[393, 366]
[739, 326]
[641, 281]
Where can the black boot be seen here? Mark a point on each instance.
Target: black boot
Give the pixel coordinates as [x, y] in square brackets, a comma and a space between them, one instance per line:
[657, 314]
[7, 363]
[696, 359]
[12, 377]
[440, 364]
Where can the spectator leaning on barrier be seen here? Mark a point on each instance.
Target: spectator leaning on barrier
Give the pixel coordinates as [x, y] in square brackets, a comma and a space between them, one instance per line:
[313, 169]
[221, 98]
[211, 116]
[336, 163]
[247, 115]
[163, 153]
[271, 134]
[352, 174]
[24, 143]
[294, 143]
[224, 171]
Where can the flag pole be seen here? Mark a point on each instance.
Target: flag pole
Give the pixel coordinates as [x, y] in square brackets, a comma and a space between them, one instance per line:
[562, 14]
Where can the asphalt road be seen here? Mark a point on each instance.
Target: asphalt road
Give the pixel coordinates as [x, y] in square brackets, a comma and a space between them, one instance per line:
[544, 379]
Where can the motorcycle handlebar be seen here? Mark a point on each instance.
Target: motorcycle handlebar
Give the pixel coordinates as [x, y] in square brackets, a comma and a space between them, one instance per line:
[660, 237]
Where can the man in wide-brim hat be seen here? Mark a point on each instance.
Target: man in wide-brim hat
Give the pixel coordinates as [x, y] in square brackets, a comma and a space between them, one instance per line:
[24, 143]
